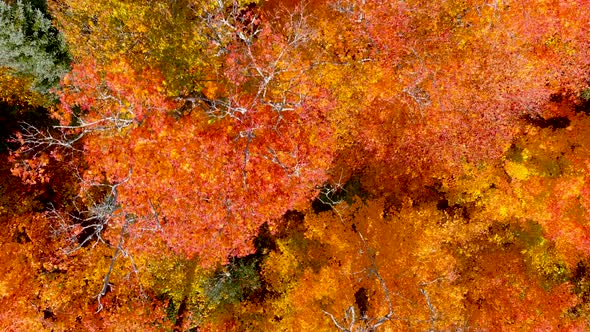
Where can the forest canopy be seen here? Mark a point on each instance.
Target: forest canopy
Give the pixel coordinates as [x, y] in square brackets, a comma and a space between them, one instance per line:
[320, 165]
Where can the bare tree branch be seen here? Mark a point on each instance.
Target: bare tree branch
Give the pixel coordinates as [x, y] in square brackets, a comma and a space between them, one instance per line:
[371, 324]
[119, 250]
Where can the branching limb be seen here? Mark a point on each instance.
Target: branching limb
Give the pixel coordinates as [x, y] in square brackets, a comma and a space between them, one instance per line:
[390, 313]
[249, 135]
[85, 226]
[119, 250]
[433, 312]
[33, 140]
[373, 323]
[336, 322]
[349, 323]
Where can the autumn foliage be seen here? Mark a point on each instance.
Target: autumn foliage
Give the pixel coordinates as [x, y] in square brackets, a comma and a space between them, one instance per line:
[327, 165]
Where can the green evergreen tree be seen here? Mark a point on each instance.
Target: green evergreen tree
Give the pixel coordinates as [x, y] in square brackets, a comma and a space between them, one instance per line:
[30, 45]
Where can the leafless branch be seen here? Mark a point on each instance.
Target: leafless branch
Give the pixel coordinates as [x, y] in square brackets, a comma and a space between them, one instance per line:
[90, 223]
[155, 216]
[227, 25]
[249, 135]
[119, 250]
[433, 312]
[33, 140]
[390, 313]
[336, 322]
[368, 324]
[371, 324]
[289, 170]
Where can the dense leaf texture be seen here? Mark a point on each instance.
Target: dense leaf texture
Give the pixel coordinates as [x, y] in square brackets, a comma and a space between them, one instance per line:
[276, 166]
